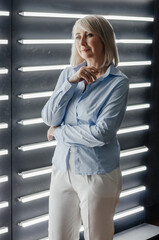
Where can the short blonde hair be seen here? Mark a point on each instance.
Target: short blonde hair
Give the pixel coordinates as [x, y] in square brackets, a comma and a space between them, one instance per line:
[104, 30]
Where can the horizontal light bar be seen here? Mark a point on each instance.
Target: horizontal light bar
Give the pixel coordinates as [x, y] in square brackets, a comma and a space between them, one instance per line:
[37, 145]
[4, 204]
[3, 179]
[3, 70]
[3, 230]
[70, 41]
[44, 238]
[42, 68]
[34, 221]
[4, 13]
[35, 172]
[134, 63]
[140, 85]
[3, 125]
[35, 95]
[133, 151]
[59, 67]
[147, 41]
[132, 191]
[34, 196]
[4, 97]
[68, 15]
[133, 129]
[3, 152]
[3, 41]
[128, 212]
[134, 170]
[31, 121]
[46, 41]
[136, 107]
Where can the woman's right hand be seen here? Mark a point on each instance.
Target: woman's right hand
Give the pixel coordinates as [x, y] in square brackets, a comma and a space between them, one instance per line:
[84, 73]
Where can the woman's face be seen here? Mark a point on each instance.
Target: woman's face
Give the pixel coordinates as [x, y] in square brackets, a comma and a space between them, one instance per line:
[88, 44]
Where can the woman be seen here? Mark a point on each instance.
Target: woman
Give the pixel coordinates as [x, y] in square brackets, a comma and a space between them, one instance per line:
[85, 113]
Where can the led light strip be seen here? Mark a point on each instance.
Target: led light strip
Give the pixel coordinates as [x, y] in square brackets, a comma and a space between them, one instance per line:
[128, 212]
[37, 146]
[3, 152]
[140, 85]
[31, 121]
[3, 41]
[39, 120]
[133, 151]
[44, 238]
[3, 70]
[70, 41]
[3, 179]
[59, 67]
[4, 13]
[45, 217]
[133, 129]
[4, 97]
[133, 170]
[34, 196]
[134, 63]
[3, 230]
[131, 191]
[35, 95]
[34, 221]
[35, 172]
[68, 15]
[4, 204]
[136, 107]
[42, 68]
[3, 125]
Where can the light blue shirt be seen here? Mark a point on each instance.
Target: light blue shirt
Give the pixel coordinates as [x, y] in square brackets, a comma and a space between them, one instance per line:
[88, 121]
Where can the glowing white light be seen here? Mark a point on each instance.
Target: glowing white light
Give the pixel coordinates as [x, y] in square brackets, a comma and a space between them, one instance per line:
[35, 172]
[42, 68]
[134, 170]
[128, 212]
[133, 151]
[4, 204]
[34, 221]
[3, 41]
[3, 230]
[132, 191]
[3, 70]
[3, 179]
[133, 129]
[149, 41]
[4, 13]
[46, 41]
[4, 97]
[34, 196]
[134, 63]
[68, 15]
[37, 146]
[3, 125]
[3, 152]
[44, 238]
[140, 85]
[35, 95]
[139, 106]
[31, 121]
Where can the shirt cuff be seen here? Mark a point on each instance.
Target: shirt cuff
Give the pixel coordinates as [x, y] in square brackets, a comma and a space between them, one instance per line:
[57, 133]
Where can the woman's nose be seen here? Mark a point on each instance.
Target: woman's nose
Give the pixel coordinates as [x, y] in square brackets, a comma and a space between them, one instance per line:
[83, 41]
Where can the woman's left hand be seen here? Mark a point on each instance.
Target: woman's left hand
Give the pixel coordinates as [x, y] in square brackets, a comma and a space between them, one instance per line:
[50, 133]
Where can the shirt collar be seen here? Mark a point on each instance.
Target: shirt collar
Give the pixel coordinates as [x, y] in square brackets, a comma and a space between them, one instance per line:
[111, 70]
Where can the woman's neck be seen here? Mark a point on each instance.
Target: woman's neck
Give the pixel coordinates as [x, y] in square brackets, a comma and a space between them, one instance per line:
[97, 65]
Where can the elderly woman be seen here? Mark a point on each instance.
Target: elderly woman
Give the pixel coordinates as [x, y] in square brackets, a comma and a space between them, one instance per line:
[85, 113]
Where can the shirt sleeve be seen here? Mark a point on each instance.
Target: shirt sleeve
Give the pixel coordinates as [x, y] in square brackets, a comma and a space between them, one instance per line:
[107, 124]
[54, 110]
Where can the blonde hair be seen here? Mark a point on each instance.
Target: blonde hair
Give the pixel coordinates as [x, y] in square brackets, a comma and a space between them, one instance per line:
[104, 30]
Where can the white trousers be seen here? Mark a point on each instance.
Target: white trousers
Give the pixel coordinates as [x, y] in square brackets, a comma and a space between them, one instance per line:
[90, 199]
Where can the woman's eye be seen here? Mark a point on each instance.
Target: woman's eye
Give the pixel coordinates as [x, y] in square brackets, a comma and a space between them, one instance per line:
[77, 37]
[90, 35]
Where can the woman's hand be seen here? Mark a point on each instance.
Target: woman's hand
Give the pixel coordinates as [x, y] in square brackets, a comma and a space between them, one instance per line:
[84, 73]
[50, 133]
